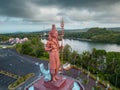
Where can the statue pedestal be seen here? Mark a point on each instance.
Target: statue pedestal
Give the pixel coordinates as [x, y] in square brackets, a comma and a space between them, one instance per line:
[63, 84]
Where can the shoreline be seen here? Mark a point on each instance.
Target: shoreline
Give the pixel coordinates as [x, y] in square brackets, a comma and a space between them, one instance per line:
[89, 40]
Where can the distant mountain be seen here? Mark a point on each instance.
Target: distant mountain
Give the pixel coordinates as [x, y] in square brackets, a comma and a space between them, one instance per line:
[59, 29]
[86, 29]
[76, 30]
[114, 28]
[72, 30]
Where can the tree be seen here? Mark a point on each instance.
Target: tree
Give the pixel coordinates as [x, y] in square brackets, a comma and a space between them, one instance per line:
[86, 57]
[67, 53]
[26, 49]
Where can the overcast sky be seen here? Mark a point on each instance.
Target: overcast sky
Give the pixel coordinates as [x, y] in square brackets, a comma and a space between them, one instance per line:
[35, 15]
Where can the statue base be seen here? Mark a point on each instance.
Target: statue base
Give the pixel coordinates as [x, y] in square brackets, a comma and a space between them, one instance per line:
[62, 84]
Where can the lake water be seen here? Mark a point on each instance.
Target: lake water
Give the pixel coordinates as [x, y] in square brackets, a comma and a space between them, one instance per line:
[81, 46]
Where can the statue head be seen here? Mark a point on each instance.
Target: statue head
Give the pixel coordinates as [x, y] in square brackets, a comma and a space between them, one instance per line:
[53, 26]
[54, 32]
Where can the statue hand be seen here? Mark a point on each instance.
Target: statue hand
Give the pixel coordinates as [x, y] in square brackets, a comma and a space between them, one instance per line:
[61, 47]
[48, 49]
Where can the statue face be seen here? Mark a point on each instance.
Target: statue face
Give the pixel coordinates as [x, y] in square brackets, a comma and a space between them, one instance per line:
[54, 32]
[55, 35]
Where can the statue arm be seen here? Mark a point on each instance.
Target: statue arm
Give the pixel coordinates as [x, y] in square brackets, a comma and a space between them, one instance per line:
[48, 47]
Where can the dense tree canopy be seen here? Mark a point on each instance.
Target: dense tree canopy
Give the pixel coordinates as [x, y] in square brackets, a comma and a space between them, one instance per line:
[33, 47]
[99, 62]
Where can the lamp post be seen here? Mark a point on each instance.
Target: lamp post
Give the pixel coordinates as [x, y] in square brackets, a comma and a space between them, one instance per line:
[116, 69]
[97, 79]
[88, 74]
[108, 86]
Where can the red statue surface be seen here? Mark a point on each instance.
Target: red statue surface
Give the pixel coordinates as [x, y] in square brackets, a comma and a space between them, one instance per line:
[53, 47]
[57, 82]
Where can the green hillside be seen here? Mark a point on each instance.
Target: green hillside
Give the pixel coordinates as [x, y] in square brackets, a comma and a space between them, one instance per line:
[96, 34]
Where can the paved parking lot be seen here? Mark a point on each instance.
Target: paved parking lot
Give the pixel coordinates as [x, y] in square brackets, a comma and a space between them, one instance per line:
[17, 64]
[5, 81]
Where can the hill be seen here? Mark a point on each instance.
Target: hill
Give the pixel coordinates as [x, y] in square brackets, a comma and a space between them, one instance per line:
[114, 29]
[97, 35]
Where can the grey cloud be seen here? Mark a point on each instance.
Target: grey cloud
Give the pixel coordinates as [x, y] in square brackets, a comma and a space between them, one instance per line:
[14, 8]
[75, 3]
[101, 8]
[71, 9]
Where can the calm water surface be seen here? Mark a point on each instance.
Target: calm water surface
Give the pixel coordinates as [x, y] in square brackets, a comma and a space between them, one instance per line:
[81, 46]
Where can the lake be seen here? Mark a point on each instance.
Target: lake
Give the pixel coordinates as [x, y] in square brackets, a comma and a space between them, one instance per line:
[81, 46]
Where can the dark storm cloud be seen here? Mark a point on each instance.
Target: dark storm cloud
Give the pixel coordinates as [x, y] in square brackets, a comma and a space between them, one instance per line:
[14, 8]
[20, 8]
[79, 4]
[73, 10]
